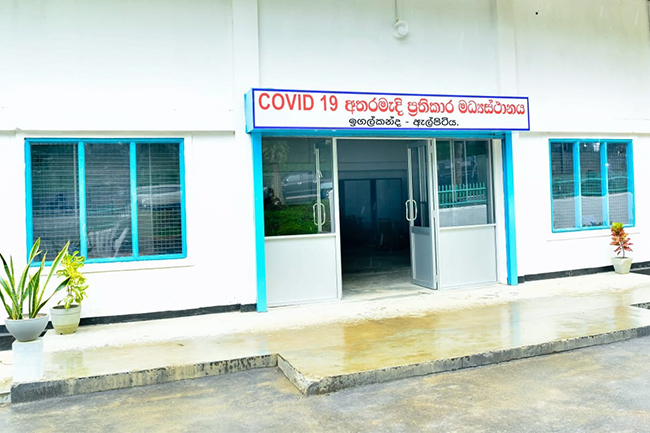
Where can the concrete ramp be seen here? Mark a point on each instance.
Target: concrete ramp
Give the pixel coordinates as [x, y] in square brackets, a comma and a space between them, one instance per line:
[360, 349]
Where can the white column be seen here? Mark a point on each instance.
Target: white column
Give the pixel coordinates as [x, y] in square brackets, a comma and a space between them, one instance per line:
[246, 74]
[506, 47]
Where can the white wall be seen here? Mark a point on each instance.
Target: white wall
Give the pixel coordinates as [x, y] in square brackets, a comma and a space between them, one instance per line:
[116, 65]
[539, 250]
[349, 45]
[584, 64]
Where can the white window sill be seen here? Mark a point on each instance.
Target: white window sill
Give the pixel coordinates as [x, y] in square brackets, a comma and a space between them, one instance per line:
[588, 234]
[97, 268]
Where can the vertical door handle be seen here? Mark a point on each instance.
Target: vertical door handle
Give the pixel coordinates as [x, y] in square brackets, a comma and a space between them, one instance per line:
[411, 210]
[322, 214]
[318, 210]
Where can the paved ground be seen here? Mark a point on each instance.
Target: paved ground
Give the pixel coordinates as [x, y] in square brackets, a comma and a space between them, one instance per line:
[599, 389]
[349, 341]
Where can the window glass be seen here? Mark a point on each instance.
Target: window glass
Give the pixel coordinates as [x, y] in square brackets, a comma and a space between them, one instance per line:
[55, 196]
[564, 187]
[593, 191]
[464, 183]
[298, 186]
[419, 173]
[618, 181]
[159, 199]
[591, 185]
[108, 200]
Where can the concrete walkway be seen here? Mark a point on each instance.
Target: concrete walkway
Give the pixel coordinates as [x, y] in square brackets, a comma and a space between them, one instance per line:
[325, 347]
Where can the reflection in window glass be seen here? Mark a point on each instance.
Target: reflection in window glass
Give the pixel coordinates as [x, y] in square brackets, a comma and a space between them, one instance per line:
[591, 185]
[108, 200]
[464, 183]
[55, 196]
[564, 203]
[419, 184]
[298, 186]
[620, 195]
[160, 229]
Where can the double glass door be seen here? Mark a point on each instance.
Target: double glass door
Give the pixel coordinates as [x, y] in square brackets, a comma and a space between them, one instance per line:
[445, 189]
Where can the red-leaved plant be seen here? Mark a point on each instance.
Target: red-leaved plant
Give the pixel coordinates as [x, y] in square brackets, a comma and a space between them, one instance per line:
[620, 239]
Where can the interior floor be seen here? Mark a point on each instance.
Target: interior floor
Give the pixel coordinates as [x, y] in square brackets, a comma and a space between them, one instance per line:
[384, 276]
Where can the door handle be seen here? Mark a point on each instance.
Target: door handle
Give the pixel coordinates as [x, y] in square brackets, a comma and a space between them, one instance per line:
[318, 210]
[411, 206]
[323, 214]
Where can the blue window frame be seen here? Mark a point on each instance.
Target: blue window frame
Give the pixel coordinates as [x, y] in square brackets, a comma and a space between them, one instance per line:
[115, 200]
[592, 184]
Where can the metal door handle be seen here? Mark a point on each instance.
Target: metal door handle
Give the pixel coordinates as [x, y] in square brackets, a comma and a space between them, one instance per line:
[412, 206]
[319, 215]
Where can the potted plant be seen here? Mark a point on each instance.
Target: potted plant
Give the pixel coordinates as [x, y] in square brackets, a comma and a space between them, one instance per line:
[621, 240]
[27, 289]
[67, 313]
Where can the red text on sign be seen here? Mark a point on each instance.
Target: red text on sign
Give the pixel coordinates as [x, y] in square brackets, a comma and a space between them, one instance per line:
[281, 101]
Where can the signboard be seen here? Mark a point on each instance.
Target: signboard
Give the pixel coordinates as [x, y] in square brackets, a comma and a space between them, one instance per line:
[307, 109]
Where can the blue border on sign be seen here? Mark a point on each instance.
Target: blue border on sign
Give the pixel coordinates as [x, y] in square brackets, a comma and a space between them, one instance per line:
[251, 125]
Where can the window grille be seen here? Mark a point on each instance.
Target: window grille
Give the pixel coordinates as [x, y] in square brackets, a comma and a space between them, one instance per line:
[591, 183]
[115, 200]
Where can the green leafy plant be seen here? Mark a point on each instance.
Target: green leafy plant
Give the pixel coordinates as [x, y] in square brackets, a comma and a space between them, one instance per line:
[28, 288]
[620, 239]
[76, 286]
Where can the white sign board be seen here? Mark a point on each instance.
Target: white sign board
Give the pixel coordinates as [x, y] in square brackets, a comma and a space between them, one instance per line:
[298, 109]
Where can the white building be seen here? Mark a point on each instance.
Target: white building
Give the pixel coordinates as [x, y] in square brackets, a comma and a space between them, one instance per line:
[124, 127]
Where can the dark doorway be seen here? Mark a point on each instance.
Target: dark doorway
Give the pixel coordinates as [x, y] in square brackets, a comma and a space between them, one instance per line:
[373, 188]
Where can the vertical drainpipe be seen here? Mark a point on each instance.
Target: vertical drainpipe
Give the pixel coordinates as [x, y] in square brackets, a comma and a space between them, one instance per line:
[509, 199]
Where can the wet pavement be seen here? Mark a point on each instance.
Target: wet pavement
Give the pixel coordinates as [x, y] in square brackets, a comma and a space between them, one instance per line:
[375, 338]
[597, 389]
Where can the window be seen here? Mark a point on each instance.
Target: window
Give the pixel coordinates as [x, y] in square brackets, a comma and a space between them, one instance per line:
[115, 200]
[592, 183]
[298, 186]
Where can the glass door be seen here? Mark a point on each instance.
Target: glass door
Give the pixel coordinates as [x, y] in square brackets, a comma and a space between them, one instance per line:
[419, 214]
